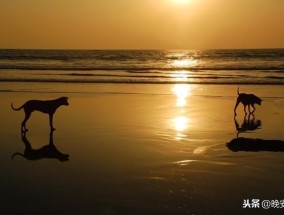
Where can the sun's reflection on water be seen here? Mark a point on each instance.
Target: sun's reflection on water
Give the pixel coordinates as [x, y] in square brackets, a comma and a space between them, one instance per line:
[180, 76]
[183, 59]
[182, 91]
[181, 122]
[184, 63]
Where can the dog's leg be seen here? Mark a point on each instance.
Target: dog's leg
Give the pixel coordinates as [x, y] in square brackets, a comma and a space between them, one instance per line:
[245, 109]
[238, 129]
[51, 122]
[237, 104]
[51, 137]
[26, 142]
[253, 116]
[253, 108]
[249, 109]
[27, 116]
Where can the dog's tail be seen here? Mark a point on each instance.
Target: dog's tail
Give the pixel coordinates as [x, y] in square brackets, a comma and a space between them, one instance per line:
[16, 108]
[238, 90]
[17, 153]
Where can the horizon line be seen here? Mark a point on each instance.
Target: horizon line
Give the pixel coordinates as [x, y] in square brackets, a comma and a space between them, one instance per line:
[140, 49]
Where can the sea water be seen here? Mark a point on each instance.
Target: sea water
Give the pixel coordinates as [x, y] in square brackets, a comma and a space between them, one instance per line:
[248, 66]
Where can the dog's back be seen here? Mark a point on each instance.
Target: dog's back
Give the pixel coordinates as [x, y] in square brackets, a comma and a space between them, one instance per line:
[47, 106]
[248, 99]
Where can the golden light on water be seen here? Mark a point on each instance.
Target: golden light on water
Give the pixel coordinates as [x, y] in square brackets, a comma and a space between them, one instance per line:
[182, 59]
[182, 91]
[180, 76]
[186, 62]
[180, 123]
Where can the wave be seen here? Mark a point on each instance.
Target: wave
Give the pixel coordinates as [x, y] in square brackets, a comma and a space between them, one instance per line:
[77, 92]
[150, 75]
[264, 66]
[279, 69]
[141, 54]
[274, 77]
[162, 75]
[216, 81]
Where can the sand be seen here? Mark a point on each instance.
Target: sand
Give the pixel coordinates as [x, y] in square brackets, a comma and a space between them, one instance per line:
[140, 149]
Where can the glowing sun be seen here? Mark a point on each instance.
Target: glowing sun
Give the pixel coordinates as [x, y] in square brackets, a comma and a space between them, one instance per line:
[182, 1]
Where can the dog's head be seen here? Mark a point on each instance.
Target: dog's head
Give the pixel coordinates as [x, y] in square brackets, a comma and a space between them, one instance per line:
[258, 101]
[64, 101]
[63, 157]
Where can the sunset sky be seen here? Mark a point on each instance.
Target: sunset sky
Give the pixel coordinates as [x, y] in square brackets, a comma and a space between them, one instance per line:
[141, 24]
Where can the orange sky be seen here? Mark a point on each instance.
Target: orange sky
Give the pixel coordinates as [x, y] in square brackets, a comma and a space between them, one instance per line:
[141, 24]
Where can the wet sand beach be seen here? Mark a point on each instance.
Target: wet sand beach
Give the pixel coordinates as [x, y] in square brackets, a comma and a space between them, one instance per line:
[141, 149]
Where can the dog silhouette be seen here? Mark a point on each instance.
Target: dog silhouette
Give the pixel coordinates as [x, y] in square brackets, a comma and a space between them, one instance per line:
[49, 107]
[247, 100]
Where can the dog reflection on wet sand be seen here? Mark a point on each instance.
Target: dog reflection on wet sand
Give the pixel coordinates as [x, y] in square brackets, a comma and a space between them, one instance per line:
[47, 151]
[249, 124]
[255, 145]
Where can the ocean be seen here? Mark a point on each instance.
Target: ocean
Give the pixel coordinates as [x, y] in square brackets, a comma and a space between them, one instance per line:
[145, 148]
[255, 66]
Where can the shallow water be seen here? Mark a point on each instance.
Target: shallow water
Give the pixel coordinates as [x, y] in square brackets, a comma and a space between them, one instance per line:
[140, 149]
